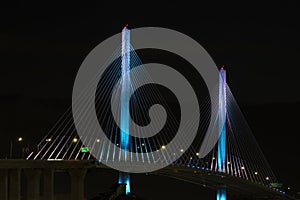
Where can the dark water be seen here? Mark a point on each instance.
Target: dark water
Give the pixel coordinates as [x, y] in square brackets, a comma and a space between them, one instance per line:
[148, 187]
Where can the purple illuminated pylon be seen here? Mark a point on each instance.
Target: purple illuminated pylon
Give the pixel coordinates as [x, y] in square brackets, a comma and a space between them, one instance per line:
[221, 193]
[222, 126]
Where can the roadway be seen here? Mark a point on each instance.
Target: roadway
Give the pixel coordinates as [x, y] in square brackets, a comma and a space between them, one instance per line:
[234, 185]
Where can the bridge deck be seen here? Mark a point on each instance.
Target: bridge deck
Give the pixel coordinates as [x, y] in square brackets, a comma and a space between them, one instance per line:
[208, 179]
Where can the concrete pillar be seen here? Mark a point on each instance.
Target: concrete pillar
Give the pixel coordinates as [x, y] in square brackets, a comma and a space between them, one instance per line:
[48, 184]
[77, 183]
[33, 177]
[3, 184]
[14, 184]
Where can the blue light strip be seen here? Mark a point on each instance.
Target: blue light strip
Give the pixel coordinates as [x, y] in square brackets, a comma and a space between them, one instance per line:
[124, 178]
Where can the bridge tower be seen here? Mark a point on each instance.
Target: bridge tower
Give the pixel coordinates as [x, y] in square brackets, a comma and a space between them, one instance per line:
[222, 124]
[124, 178]
[221, 193]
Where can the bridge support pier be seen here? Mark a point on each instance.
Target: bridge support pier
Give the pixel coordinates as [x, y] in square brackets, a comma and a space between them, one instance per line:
[48, 183]
[77, 183]
[3, 184]
[33, 177]
[221, 194]
[14, 184]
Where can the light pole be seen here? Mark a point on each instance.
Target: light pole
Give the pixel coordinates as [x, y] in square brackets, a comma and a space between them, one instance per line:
[20, 139]
[11, 149]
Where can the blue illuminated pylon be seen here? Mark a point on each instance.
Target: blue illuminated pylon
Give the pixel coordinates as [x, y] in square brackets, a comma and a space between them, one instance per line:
[221, 192]
[124, 178]
[222, 121]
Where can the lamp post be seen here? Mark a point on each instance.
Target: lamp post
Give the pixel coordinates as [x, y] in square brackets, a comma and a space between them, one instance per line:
[11, 149]
[20, 139]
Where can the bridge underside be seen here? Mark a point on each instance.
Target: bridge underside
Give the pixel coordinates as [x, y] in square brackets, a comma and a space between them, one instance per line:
[236, 187]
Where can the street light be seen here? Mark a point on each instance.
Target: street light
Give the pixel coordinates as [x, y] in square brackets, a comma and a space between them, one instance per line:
[75, 140]
[20, 139]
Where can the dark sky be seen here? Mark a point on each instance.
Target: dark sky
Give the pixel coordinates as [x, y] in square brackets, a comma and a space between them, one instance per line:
[43, 46]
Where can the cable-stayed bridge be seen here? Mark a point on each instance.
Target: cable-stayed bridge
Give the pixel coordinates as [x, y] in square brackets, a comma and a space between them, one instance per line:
[234, 166]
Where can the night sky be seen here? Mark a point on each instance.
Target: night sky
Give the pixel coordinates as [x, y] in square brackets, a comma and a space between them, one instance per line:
[42, 49]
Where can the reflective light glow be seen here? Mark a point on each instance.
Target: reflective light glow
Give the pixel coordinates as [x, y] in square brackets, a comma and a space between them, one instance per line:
[98, 140]
[48, 140]
[20, 139]
[163, 147]
[75, 140]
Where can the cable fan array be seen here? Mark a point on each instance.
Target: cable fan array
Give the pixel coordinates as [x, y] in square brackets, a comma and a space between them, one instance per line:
[244, 158]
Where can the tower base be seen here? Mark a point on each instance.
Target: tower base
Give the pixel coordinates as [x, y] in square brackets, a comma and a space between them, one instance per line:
[124, 178]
